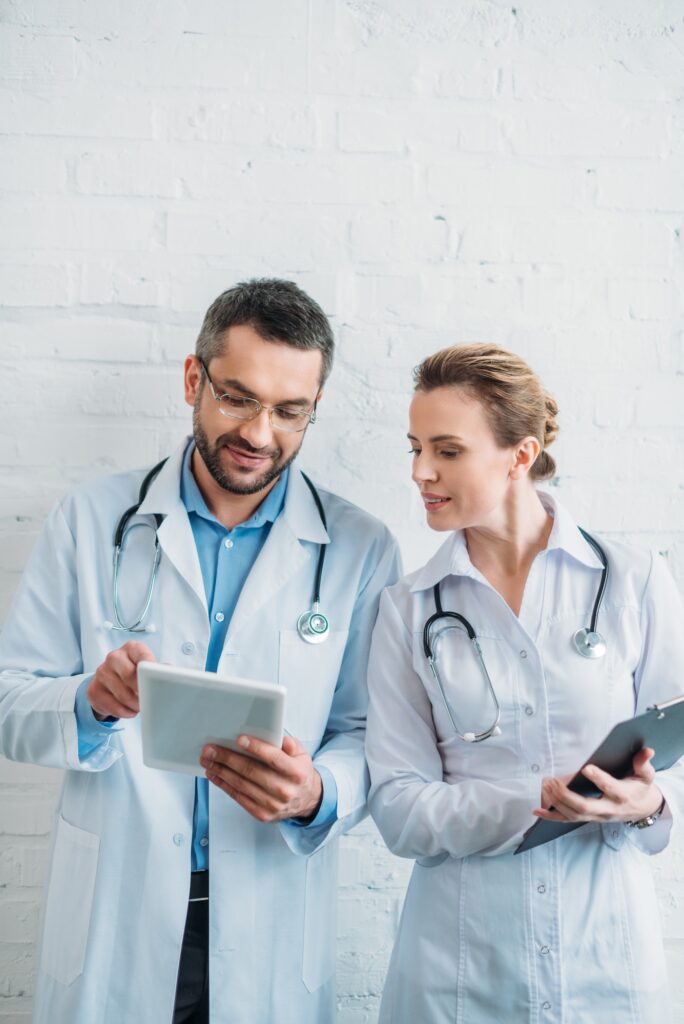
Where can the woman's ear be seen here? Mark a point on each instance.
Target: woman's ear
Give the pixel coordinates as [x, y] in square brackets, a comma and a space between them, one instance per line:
[525, 456]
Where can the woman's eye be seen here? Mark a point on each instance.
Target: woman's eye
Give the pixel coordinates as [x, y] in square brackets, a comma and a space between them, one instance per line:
[452, 453]
[414, 451]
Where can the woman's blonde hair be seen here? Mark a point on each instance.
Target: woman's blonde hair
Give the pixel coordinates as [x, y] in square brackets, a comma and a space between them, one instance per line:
[515, 401]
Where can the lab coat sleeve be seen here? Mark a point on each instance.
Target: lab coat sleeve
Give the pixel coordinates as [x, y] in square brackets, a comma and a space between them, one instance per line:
[41, 667]
[342, 750]
[658, 677]
[417, 812]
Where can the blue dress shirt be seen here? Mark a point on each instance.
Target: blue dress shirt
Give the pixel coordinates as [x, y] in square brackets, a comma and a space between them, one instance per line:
[226, 558]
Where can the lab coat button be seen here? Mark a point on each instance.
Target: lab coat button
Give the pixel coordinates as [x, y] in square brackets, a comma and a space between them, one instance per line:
[529, 710]
[188, 647]
[178, 838]
[219, 616]
[228, 543]
[541, 889]
[534, 768]
[544, 950]
[523, 654]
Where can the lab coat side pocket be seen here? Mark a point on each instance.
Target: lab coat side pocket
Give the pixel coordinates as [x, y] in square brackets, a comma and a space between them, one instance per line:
[320, 918]
[69, 902]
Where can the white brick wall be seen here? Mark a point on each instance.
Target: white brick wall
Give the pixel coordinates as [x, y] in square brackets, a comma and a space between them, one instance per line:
[472, 170]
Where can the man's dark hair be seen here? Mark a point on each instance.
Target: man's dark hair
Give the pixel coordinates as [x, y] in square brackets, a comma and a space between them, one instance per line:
[277, 310]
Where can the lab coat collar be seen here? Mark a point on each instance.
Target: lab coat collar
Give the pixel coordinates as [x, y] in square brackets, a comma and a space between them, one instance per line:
[299, 511]
[452, 558]
[299, 521]
[175, 533]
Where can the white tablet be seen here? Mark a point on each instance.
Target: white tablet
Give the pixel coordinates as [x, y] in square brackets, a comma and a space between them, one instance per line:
[181, 709]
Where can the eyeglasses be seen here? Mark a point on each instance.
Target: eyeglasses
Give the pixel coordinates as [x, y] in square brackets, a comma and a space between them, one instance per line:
[293, 419]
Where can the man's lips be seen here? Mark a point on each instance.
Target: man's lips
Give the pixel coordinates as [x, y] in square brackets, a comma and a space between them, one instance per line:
[249, 459]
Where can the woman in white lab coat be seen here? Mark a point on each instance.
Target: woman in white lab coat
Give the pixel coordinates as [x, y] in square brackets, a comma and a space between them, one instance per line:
[569, 931]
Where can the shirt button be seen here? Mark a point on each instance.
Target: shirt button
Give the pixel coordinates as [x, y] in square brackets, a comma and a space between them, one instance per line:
[541, 889]
[534, 768]
[615, 833]
[204, 841]
[544, 950]
[546, 1006]
[219, 616]
[228, 543]
[529, 710]
[523, 654]
[187, 647]
[178, 838]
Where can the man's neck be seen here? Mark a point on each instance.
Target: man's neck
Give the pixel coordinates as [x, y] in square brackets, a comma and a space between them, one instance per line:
[230, 509]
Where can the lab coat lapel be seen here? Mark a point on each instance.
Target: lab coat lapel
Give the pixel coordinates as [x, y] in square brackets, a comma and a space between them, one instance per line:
[283, 554]
[175, 533]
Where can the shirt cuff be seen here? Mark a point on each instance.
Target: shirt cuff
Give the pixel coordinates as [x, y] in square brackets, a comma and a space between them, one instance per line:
[91, 733]
[327, 811]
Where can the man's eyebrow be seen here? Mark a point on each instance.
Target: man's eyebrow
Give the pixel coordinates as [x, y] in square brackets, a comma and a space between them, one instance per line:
[230, 383]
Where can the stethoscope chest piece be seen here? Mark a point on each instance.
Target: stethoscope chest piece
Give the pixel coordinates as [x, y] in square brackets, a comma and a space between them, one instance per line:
[313, 626]
[589, 643]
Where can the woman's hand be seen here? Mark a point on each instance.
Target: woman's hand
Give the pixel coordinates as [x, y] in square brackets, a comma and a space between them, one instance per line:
[628, 799]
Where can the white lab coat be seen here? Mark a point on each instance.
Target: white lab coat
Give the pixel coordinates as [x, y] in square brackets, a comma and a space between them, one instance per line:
[120, 867]
[568, 932]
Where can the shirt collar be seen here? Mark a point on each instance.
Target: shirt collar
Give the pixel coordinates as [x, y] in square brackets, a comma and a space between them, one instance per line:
[191, 496]
[452, 558]
[565, 533]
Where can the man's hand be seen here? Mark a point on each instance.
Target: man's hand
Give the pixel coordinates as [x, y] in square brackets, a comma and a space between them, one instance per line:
[279, 784]
[628, 799]
[113, 690]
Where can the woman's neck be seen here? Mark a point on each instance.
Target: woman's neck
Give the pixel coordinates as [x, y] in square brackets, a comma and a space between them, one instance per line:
[504, 548]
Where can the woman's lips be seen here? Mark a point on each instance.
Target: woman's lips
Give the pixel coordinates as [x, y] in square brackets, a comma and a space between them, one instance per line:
[433, 502]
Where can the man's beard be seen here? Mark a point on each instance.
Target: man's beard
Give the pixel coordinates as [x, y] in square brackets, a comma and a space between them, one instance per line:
[211, 456]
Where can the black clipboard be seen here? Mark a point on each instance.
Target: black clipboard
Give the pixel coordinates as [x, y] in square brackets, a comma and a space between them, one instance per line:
[661, 727]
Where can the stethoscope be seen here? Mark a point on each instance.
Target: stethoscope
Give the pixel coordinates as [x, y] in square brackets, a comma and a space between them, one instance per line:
[587, 641]
[313, 626]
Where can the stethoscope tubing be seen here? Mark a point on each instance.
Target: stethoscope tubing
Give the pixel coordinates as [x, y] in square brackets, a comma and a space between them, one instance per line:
[313, 626]
[440, 614]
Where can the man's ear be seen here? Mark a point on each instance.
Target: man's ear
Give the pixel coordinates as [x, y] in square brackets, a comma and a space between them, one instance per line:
[192, 379]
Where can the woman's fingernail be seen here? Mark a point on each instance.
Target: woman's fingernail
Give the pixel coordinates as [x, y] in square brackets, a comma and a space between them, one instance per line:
[243, 741]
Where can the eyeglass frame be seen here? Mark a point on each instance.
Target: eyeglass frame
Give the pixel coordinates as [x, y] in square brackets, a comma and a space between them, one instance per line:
[309, 413]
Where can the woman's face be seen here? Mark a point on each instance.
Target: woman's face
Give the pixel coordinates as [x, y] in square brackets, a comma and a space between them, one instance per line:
[463, 475]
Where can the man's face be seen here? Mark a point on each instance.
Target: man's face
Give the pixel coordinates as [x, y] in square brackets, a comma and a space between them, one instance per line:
[246, 456]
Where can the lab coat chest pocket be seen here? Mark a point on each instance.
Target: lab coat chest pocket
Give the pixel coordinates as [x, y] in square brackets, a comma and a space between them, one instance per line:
[320, 913]
[310, 673]
[69, 902]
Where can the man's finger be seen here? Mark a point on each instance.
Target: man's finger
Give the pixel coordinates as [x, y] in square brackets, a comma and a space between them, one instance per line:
[267, 753]
[137, 651]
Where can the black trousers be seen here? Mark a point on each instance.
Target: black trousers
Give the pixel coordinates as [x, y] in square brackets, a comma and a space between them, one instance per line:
[192, 987]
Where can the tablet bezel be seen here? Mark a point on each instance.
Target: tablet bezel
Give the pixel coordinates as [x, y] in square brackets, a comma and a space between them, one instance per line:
[152, 674]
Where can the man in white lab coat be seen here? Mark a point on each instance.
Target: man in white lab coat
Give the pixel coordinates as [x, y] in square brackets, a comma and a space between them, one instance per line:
[171, 901]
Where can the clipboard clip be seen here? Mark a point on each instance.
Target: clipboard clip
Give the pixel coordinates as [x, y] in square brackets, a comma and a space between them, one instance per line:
[662, 708]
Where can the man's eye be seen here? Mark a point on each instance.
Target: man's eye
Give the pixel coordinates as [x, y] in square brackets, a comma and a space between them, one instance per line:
[288, 414]
[237, 402]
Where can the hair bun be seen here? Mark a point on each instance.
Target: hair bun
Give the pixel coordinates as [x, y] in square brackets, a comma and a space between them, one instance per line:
[551, 424]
